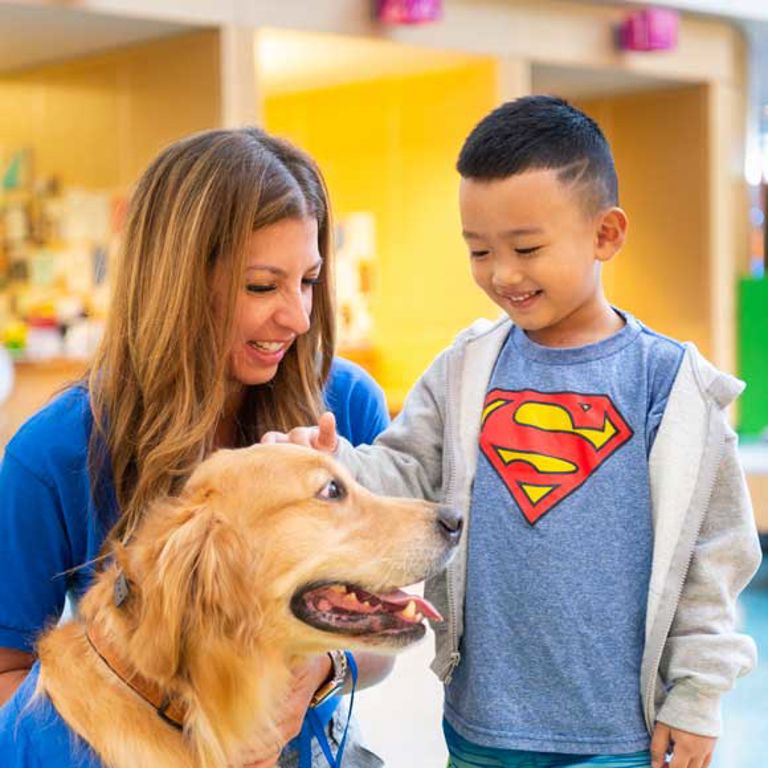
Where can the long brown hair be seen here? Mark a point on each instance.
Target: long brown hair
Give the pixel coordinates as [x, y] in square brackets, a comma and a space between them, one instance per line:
[158, 381]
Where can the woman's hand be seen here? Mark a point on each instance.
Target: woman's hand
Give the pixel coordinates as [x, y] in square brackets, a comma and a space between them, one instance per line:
[323, 437]
[263, 750]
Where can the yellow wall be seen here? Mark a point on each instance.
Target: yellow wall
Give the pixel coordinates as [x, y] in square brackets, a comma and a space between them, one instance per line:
[97, 121]
[660, 141]
[389, 147]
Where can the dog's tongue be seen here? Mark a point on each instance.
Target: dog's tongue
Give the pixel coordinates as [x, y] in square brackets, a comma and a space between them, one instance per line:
[401, 599]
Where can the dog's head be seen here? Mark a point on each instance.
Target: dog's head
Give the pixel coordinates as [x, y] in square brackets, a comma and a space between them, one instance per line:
[278, 546]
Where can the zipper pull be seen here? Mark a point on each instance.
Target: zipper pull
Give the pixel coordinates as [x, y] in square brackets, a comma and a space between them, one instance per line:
[453, 662]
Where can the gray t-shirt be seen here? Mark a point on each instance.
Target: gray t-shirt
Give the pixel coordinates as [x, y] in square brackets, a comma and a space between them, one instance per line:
[560, 546]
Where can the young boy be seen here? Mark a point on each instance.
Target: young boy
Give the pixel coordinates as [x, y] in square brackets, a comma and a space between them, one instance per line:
[590, 614]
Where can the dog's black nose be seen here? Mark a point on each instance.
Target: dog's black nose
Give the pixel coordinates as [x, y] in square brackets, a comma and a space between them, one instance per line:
[450, 521]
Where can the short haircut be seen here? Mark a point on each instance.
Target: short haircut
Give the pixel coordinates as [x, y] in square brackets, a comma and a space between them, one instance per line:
[542, 133]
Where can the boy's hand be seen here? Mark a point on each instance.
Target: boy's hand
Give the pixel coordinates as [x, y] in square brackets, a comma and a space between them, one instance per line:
[688, 749]
[322, 437]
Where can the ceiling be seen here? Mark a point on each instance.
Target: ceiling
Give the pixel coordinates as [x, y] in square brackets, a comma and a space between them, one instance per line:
[289, 61]
[32, 35]
[36, 34]
[747, 10]
[297, 61]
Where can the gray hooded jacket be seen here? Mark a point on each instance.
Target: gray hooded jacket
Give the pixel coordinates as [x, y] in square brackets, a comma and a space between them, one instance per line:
[706, 547]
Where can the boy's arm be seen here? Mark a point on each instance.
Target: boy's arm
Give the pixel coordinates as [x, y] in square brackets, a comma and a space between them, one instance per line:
[704, 654]
[407, 458]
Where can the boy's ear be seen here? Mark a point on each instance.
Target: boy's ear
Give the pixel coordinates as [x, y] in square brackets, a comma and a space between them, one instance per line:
[611, 233]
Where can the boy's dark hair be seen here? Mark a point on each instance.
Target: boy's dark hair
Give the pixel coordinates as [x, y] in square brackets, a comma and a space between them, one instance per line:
[542, 133]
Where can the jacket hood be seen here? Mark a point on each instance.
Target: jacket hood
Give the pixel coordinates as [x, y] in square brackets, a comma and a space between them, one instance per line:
[714, 384]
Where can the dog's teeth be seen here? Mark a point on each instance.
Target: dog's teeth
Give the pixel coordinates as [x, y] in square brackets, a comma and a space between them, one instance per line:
[340, 588]
[350, 599]
[409, 612]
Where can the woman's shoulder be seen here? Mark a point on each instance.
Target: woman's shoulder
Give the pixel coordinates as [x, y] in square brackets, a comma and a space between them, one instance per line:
[350, 381]
[357, 401]
[346, 372]
[60, 430]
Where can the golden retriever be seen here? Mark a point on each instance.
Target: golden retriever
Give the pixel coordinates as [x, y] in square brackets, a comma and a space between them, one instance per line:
[269, 554]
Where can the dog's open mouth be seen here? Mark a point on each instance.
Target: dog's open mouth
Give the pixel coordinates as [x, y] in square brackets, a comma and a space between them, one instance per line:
[351, 610]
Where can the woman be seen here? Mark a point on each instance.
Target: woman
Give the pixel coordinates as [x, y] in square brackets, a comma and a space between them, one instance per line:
[221, 327]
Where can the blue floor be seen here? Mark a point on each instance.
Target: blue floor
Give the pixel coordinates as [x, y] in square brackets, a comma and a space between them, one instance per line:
[744, 743]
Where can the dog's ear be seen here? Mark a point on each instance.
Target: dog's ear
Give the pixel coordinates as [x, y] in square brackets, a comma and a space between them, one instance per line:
[195, 586]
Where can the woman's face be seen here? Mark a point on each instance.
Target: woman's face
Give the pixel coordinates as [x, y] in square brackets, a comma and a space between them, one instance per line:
[274, 298]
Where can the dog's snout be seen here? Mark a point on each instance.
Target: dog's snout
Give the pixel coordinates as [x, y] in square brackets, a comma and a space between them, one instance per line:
[450, 521]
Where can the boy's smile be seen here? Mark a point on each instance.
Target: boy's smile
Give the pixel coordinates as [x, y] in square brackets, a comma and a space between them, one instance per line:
[536, 251]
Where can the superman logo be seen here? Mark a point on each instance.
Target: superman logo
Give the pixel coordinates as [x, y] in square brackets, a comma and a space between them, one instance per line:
[545, 445]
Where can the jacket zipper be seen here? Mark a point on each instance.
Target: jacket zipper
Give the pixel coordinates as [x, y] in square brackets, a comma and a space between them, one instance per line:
[453, 641]
[454, 657]
[651, 687]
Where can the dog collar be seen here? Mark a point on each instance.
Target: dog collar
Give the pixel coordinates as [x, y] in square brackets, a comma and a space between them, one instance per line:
[172, 711]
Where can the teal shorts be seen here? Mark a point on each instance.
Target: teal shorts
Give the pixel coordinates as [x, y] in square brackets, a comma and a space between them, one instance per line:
[465, 754]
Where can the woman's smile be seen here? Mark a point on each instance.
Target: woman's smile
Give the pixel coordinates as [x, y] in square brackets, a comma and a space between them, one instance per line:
[267, 353]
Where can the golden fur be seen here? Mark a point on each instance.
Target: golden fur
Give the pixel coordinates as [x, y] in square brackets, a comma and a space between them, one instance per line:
[212, 574]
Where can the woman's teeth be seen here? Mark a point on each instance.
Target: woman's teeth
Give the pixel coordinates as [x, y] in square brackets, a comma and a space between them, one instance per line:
[268, 346]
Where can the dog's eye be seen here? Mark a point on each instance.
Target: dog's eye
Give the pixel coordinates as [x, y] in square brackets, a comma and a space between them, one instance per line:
[333, 490]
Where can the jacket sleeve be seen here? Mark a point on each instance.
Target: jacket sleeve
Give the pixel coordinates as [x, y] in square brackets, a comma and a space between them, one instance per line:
[407, 458]
[705, 653]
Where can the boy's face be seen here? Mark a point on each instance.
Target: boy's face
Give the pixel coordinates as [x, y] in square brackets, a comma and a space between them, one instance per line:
[536, 252]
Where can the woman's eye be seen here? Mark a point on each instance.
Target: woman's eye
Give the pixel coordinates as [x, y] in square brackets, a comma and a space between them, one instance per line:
[311, 281]
[527, 251]
[478, 254]
[333, 490]
[256, 288]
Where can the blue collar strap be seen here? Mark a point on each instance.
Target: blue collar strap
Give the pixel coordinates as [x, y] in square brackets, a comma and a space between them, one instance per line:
[315, 722]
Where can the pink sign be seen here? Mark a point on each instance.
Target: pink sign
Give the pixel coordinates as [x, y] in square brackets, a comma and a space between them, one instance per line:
[651, 29]
[409, 11]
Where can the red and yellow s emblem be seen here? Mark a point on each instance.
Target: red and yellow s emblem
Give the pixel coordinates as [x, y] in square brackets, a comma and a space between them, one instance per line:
[545, 445]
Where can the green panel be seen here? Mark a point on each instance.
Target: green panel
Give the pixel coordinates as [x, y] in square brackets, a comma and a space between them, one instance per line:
[753, 355]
